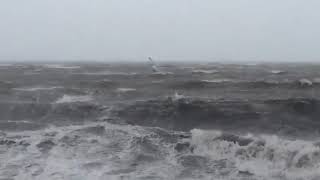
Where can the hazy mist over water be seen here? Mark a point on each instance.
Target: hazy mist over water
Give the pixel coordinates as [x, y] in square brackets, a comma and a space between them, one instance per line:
[234, 30]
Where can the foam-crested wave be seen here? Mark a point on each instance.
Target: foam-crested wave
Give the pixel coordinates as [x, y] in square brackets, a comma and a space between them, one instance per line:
[305, 82]
[93, 151]
[101, 73]
[38, 88]
[124, 90]
[218, 80]
[296, 117]
[277, 71]
[108, 151]
[60, 66]
[73, 98]
[259, 157]
[203, 71]
[162, 73]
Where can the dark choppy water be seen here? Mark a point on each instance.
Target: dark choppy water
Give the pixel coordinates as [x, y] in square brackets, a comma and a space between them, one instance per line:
[121, 121]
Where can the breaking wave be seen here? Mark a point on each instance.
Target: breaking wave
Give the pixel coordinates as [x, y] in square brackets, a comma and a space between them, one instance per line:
[39, 88]
[71, 99]
[109, 151]
[124, 90]
[239, 123]
[203, 71]
[108, 73]
[282, 116]
[60, 66]
[257, 157]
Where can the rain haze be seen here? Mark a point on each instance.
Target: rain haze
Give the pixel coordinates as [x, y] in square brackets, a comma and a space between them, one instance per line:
[272, 30]
[159, 90]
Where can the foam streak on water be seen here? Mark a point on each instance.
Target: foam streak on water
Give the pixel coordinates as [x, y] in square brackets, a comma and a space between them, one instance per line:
[38, 88]
[71, 99]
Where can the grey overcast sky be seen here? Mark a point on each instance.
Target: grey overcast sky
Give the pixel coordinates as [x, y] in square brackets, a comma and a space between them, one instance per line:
[275, 30]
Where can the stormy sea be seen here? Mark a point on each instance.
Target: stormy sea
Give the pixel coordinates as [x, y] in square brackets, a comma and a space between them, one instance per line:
[207, 121]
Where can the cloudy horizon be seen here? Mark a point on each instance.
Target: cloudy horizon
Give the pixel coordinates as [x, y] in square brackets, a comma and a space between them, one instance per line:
[235, 30]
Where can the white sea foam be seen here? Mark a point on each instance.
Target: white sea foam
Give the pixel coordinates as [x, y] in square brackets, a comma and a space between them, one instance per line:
[277, 72]
[108, 151]
[218, 80]
[18, 121]
[252, 64]
[124, 90]
[277, 158]
[75, 153]
[38, 88]
[107, 73]
[176, 96]
[305, 82]
[61, 66]
[71, 99]
[202, 71]
[162, 73]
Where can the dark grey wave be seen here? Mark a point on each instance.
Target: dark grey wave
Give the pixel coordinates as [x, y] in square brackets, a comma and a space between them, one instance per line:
[29, 116]
[284, 116]
[199, 84]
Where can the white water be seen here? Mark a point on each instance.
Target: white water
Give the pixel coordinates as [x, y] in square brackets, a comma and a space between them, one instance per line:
[80, 154]
[105, 151]
[219, 80]
[205, 71]
[124, 90]
[71, 99]
[38, 88]
[277, 72]
[277, 159]
[108, 73]
[61, 66]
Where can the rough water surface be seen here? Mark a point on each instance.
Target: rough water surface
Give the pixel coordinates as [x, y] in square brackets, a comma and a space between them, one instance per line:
[190, 121]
